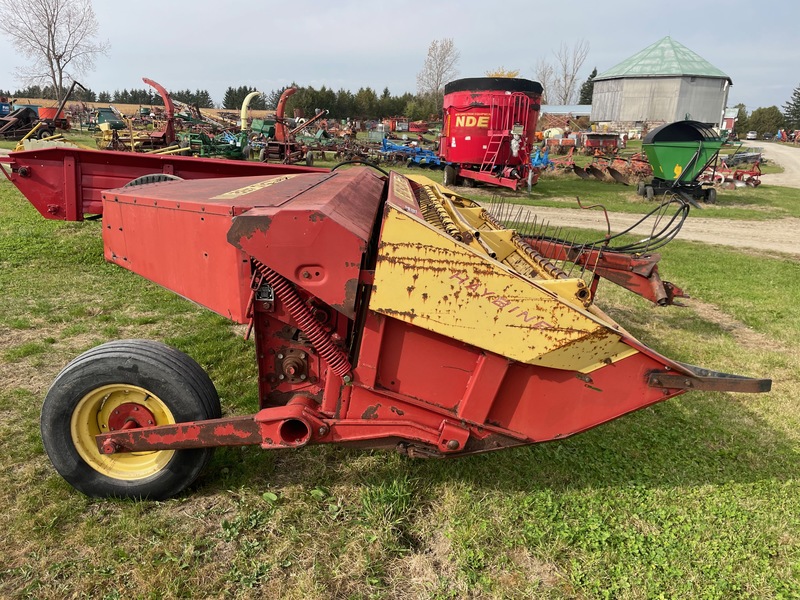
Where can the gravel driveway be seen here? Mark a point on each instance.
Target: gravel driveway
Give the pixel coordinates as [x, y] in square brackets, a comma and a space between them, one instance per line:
[776, 235]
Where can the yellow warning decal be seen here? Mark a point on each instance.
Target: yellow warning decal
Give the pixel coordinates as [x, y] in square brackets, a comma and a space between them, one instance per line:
[252, 188]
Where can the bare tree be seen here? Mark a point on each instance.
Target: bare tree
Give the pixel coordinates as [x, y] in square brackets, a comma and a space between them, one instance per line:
[568, 63]
[58, 37]
[560, 81]
[439, 68]
[544, 74]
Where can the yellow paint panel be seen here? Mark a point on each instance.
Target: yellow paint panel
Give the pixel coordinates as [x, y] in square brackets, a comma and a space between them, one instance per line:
[432, 281]
[252, 188]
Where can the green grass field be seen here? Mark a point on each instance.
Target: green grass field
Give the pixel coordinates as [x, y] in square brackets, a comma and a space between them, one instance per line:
[698, 497]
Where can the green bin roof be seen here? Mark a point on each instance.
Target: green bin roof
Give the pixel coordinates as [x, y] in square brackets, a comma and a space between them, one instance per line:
[665, 58]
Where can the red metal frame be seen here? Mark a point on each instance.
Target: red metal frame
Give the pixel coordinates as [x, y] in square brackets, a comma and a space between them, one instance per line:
[637, 273]
[513, 183]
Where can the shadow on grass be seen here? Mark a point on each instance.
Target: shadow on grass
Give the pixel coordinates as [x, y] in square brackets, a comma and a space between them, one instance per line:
[702, 440]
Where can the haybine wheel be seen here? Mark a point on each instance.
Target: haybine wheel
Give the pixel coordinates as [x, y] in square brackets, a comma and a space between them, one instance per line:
[126, 384]
[153, 178]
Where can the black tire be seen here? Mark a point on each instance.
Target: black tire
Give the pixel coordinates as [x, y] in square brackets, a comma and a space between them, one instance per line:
[640, 188]
[152, 178]
[711, 195]
[449, 176]
[309, 159]
[44, 133]
[171, 387]
[649, 193]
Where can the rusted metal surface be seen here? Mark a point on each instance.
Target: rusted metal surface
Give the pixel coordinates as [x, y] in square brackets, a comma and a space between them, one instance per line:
[317, 239]
[709, 381]
[637, 273]
[234, 431]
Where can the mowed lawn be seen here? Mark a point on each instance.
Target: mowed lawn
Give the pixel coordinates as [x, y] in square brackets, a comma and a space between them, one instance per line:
[698, 497]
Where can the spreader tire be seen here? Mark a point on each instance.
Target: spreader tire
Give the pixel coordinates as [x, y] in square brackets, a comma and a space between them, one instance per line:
[119, 377]
[449, 176]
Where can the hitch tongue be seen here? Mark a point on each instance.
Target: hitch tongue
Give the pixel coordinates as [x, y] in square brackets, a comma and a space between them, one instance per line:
[702, 379]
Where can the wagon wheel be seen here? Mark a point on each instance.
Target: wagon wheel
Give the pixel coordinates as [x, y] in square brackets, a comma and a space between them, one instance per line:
[126, 383]
[449, 176]
[152, 178]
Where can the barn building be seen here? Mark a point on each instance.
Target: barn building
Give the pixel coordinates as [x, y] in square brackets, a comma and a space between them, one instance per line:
[663, 83]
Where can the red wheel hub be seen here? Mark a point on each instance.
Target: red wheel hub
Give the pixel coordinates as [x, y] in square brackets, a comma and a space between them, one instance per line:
[129, 416]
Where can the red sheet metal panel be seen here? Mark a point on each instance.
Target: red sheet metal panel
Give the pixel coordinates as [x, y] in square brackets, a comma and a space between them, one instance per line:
[175, 234]
[67, 183]
[311, 228]
[320, 239]
[179, 247]
[483, 390]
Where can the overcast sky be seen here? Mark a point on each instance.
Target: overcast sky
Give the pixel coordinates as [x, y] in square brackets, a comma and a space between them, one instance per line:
[204, 44]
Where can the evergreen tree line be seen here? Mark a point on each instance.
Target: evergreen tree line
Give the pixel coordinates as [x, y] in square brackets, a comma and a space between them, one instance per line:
[48, 92]
[366, 103]
[146, 96]
[149, 97]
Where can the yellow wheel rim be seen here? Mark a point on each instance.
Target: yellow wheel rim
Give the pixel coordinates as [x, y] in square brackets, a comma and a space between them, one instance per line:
[91, 417]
